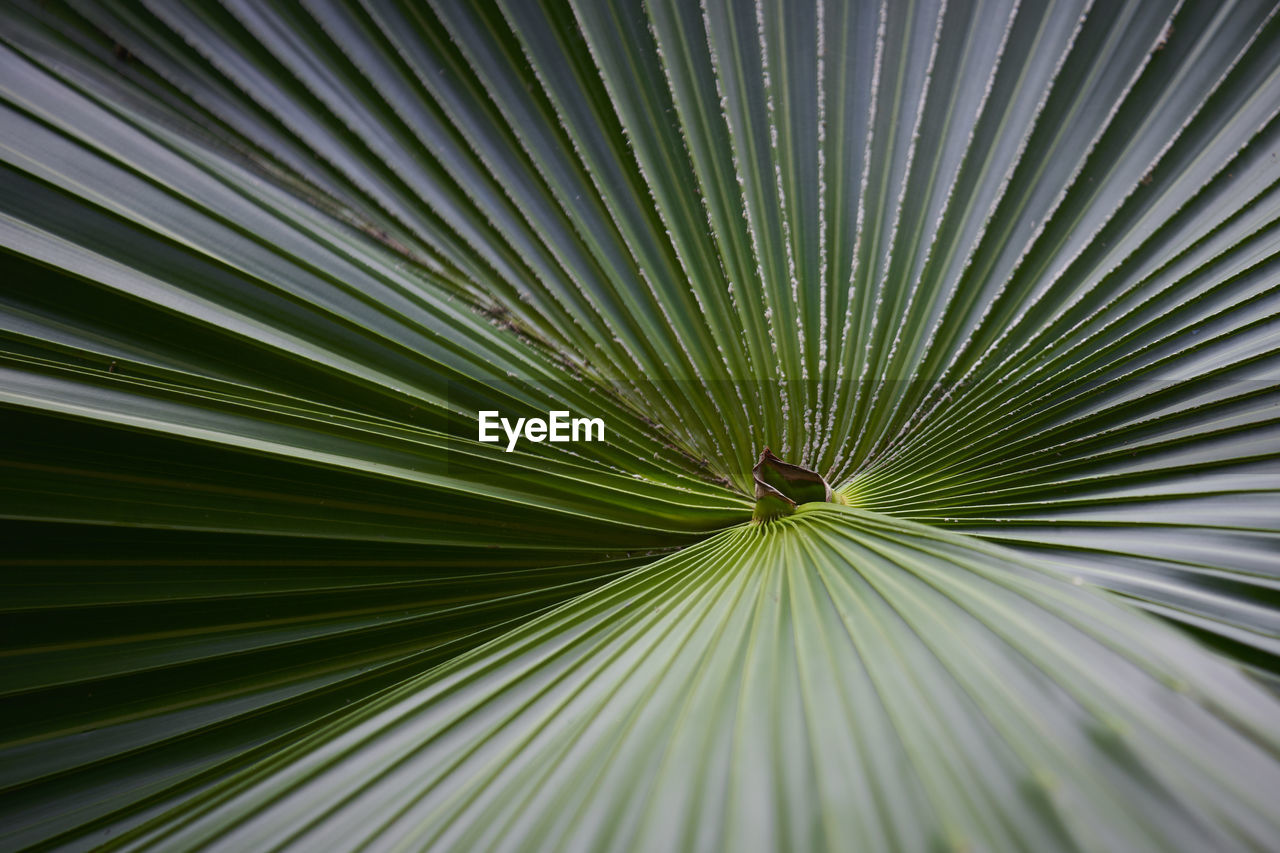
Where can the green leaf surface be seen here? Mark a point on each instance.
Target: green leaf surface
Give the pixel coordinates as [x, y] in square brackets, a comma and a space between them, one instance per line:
[822, 680]
[999, 281]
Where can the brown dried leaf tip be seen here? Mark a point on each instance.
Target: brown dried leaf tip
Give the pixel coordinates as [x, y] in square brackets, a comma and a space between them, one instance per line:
[781, 487]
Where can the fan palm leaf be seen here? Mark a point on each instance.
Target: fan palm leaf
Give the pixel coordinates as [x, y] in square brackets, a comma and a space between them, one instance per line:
[997, 280]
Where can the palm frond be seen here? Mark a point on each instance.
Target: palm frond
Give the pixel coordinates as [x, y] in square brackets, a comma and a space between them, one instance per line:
[1004, 275]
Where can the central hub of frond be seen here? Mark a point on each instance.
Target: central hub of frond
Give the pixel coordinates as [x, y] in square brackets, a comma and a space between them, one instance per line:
[781, 487]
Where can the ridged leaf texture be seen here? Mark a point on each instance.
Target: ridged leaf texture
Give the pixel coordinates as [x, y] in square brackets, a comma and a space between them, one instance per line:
[997, 282]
